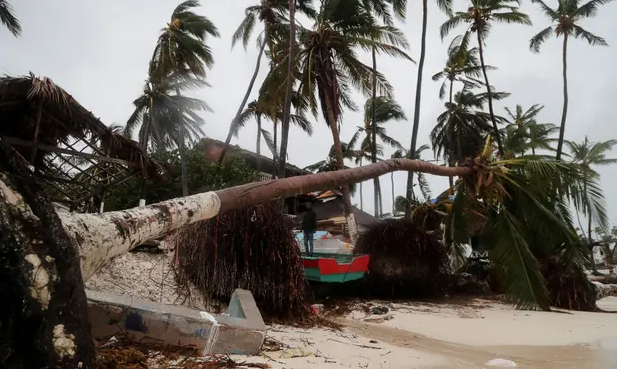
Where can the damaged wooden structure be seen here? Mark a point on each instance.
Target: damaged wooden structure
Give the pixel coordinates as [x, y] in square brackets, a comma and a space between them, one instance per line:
[74, 154]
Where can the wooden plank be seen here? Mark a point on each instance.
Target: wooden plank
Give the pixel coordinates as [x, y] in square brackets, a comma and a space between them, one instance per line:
[20, 142]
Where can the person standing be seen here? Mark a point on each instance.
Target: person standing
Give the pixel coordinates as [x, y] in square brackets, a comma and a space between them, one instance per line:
[309, 227]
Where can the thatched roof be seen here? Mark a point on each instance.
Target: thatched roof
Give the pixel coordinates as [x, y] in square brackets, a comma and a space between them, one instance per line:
[64, 142]
[212, 149]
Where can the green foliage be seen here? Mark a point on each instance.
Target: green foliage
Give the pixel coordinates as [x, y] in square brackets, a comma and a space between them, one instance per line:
[202, 177]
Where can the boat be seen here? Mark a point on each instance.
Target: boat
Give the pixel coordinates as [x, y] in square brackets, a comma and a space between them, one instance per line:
[334, 267]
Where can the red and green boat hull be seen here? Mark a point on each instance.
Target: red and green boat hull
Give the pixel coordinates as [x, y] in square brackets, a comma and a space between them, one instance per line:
[334, 268]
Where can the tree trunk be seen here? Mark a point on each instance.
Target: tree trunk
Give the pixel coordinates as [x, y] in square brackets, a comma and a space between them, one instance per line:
[490, 96]
[274, 154]
[361, 197]
[376, 187]
[416, 115]
[101, 237]
[450, 163]
[393, 198]
[349, 216]
[143, 140]
[243, 103]
[258, 145]
[289, 90]
[608, 255]
[564, 113]
[44, 320]
[182, 150]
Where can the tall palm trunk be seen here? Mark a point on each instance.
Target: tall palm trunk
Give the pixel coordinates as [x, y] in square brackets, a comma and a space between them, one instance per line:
[182, 149]
[143, 140]
[338, 150]
[564, 113]
[258, 144]
[274, 154]
[243, 103]
[416, 114]
[450, 161]
[490, 97]
[289, 90]
[376, 184]
[393, 198]
[361, 197]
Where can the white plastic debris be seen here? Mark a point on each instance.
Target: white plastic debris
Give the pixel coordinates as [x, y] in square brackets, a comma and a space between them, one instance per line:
[501, 363]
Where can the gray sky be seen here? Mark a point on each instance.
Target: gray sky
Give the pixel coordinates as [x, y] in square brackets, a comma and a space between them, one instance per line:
[99, 51]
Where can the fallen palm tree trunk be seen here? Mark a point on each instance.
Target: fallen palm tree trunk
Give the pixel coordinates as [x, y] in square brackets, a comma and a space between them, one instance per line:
[43, 320]
[100, 237]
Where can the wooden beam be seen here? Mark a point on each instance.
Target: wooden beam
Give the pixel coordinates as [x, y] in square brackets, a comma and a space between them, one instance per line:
[20, 142]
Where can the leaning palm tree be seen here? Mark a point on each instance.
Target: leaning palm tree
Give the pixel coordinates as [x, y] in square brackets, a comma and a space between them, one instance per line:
[329, 65]
[590, 154]
[461, 66]
[181, 51]
[565, 19]
[445, 6]
[274, 15]
[480, 15]
[377, 112]
[8, 18]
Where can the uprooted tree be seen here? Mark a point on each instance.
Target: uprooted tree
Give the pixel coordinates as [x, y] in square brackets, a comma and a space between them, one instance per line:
[45, 255]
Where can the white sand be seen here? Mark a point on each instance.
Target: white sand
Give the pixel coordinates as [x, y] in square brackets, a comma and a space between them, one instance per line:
[421, 335]
[492, 324]
[328, 349]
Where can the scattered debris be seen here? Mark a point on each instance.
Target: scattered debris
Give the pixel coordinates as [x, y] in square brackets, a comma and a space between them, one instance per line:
[380, 310]
[378, 319]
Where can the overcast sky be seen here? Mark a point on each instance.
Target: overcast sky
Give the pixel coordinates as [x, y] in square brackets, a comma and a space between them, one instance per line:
[99, 51]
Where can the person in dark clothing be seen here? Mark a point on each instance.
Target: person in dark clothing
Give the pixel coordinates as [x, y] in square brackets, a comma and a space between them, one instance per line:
[309, 226]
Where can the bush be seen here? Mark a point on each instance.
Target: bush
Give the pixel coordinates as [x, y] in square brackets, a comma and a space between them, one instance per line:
[202, 177]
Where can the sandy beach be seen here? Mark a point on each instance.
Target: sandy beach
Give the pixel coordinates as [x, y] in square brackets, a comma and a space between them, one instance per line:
[461, 333]
[468, 335]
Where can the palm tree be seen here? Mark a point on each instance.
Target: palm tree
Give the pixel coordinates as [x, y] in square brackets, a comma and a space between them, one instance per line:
[264, 107]
[256, 111]
[589, 154]
[565, 19]
[329, 65]
[525, 133]
[422, 182]
[181, 50]
[166, 120]
[377, 112]
[8, 18]
[462, 66]
[383, 10]
[480, 15]
[445, 6]
[273, 14]
[460, 130]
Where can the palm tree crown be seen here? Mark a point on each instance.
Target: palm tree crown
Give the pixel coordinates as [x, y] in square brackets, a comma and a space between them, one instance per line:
[565, 18]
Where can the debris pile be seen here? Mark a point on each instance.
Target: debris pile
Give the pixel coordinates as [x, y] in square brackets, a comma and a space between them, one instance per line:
[253, 249]
[405, 260]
